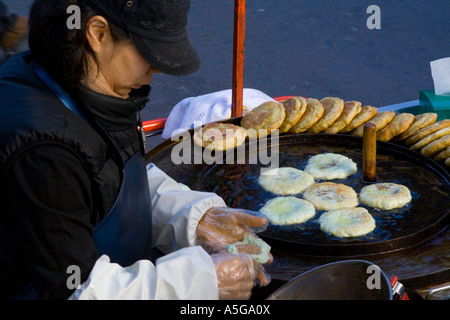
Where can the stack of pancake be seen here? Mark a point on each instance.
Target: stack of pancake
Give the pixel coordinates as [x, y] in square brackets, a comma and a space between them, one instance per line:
[334, 116]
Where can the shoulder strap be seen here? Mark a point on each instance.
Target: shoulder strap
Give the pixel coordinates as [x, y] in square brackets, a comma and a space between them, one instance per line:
[57, 90]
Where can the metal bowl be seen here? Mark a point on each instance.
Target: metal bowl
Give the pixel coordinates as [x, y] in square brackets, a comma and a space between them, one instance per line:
[343, 280]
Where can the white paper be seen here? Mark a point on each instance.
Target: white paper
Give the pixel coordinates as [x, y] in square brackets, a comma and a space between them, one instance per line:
[440, 70]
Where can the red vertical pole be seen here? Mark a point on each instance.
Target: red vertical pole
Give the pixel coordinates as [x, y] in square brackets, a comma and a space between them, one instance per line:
[238, 58]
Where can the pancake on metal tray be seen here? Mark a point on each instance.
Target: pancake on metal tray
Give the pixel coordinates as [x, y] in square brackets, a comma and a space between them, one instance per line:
[398, 125]
[380, 121]
[285, 181]
[220, 136]
[329, 166]
[347, 222]
[430, 138]
[436, 146]
[366, 113]
[385, 196]
[288, 210]
[421, 121]
[351, 109]
[314, 111]
[442, 155]
[422, 133]
[261, 120]
[329, 196]
[295, 108]
[333, 108]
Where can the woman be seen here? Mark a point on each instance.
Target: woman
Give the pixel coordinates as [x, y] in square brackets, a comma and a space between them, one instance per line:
[78, 203]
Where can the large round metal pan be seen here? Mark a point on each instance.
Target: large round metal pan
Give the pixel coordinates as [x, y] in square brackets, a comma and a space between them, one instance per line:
[236, 181]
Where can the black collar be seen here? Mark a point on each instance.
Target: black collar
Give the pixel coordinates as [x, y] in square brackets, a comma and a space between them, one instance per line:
[117, 116]
[113, 113]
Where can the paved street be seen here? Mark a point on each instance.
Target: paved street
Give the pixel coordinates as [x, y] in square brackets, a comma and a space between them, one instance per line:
[311, 48]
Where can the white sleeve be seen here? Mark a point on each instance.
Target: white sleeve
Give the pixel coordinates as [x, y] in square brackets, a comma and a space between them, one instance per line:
[176, 211]
[187, 274]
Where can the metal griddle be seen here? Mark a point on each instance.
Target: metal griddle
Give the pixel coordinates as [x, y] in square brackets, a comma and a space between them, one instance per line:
[426, 216]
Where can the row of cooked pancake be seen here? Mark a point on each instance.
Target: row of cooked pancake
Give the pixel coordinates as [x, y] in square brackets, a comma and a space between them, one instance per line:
[332, 115]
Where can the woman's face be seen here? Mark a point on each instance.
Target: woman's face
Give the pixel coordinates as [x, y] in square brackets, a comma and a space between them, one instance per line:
[120, 68]
[124, 69]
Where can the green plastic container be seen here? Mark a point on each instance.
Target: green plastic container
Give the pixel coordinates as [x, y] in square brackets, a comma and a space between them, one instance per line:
[430, 102]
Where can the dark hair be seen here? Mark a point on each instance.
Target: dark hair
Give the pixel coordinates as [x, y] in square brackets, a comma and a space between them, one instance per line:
[63, 52]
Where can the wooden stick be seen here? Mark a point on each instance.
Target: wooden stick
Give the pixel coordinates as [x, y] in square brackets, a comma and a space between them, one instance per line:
[370, 152]
[238, 58]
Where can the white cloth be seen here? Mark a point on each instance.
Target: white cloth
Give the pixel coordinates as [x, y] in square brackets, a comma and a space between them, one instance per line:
[186, 272]
[208, 108]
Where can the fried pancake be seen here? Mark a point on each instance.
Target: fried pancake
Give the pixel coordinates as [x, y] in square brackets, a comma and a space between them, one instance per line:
[220, 136]
[447, 162]
[443, 155]
[366, 113]
[347, 222]
[351, 109]
[385, 196]
[430, 138]
[421, 121]
[380, 121]
[329, 166]
[399, 124]
[432, 128]
[261, 120]
[333, 108]
[314, 111]
[295, 108]
[285, 181]
[329, 196]
[288, 210]
[436, 146]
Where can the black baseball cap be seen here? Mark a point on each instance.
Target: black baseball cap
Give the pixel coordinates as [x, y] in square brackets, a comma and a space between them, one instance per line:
[158, 28]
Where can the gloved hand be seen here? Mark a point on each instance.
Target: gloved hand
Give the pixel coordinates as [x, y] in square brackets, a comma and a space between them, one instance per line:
[220, 227]
[237, 274]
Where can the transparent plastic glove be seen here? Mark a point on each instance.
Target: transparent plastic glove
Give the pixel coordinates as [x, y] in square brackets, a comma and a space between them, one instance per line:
[220, 227]
[237, 275]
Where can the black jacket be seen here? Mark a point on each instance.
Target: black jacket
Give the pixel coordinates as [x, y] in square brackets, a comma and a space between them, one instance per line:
[58, 177]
